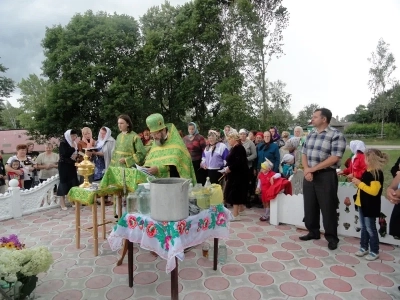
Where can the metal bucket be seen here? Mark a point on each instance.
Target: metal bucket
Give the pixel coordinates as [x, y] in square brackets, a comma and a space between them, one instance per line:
[169, 199]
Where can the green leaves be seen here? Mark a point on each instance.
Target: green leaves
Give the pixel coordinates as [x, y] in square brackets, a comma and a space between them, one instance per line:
[6, 87]
[205, 61]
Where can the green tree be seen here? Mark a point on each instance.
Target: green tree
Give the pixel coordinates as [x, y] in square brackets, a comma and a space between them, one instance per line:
[10, 115]
[264, 22]
[7, 85]
[93, 69]
[34, 94]
[362, 114]
[192, 73]
[381, 79]
[304, 116]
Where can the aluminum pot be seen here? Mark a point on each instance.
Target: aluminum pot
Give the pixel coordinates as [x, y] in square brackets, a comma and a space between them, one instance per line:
[169, 199]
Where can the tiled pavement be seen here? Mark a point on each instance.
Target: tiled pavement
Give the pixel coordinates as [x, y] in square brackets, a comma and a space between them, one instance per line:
[264, 262]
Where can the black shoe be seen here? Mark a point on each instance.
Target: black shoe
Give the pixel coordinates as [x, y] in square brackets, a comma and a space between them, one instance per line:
[248, 205]
[332, 245]
[309, 237]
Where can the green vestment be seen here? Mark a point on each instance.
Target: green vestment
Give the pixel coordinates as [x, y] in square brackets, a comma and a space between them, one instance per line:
[130, 147]
[172, 153]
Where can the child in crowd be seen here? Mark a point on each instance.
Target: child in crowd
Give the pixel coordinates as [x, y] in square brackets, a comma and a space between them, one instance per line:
[15, 164]
[266, 179]
[357, 165]
[368, 200]
[287, 165]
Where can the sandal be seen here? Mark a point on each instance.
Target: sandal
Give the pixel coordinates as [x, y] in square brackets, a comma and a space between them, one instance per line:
[264, 218]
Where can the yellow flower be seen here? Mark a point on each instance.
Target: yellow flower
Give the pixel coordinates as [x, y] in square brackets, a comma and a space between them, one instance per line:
[10, 245]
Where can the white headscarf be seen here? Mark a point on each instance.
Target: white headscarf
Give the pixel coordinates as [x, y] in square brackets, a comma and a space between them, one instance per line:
[357, 145]
[287, 158]
[67, 136]
[100, 141]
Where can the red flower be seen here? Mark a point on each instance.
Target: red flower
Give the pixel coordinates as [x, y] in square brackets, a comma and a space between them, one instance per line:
[220, 219]
[166, 242]
[181, 227]
[132, 223]
[206, 223]
[151, 230]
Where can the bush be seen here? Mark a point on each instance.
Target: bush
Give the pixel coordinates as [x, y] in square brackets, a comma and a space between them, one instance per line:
[390, 130]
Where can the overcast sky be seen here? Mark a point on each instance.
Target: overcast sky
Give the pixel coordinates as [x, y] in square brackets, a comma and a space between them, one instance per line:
[326, 47]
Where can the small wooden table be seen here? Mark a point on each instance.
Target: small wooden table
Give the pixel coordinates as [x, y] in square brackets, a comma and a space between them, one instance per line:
[88, 197]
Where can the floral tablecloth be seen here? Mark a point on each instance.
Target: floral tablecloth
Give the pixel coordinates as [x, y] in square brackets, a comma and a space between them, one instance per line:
[169, 239]
[114, 176]
[87, 196]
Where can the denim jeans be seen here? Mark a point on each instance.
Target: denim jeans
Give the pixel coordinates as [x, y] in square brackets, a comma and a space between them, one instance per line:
[369, 234]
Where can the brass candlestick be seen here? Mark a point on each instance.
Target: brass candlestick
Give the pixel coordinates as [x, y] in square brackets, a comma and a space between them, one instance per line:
[85, 169]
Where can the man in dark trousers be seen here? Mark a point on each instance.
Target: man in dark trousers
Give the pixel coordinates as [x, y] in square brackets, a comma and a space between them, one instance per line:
[321, 157]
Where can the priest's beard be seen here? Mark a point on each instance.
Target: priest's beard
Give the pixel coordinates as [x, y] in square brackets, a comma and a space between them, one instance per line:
[161, 141]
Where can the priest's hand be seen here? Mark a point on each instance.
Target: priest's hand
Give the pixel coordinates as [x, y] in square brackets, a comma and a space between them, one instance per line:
[152, 170]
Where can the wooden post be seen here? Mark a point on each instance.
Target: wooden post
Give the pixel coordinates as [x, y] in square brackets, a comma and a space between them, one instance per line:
[174, 282]
[78, 224]
[103, 216]
[215, 253]
[130, 263]
[95, 230]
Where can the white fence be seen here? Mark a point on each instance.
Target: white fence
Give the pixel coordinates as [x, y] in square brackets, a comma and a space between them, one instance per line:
[290, 210]
[15, 203]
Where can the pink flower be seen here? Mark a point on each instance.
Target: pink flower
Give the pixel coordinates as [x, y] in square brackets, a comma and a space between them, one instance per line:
[151, 230]
[132, 222]
[181, 227]
[166, 242]
[220, 219]
[206, 223]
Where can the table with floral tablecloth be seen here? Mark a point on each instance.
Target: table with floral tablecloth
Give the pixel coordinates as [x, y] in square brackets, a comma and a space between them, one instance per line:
[170, 239]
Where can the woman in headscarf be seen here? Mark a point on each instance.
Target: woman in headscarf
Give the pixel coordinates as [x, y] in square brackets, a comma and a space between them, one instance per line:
[251, 153]
[214, 156]
[68, 151]
[104, 149]
[236, 171]
[357, 164]
[268, 150]
[196, 144]
[292, 146]
[274, 134]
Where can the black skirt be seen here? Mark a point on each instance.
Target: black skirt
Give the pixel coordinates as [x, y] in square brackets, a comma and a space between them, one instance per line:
[68, 178]
[394, 225]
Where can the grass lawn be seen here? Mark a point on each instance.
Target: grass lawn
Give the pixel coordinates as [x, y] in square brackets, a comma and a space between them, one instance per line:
[393, 156]
[382, 142]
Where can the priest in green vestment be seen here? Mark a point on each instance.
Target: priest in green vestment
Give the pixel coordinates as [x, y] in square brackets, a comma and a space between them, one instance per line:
[168, 156]
[129, 149]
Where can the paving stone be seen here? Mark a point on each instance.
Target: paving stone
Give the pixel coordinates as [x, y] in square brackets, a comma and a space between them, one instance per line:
[252, 239]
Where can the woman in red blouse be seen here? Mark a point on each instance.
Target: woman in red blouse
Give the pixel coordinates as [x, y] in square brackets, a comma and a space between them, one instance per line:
[196, 144]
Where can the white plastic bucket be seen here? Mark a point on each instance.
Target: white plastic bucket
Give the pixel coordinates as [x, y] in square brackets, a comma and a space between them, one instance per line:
[169, 199]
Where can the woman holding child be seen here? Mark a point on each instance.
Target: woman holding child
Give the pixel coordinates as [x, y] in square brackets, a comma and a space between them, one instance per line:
[26, 165]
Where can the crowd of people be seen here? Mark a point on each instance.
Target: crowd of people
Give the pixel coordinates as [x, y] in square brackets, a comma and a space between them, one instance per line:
[252, 166]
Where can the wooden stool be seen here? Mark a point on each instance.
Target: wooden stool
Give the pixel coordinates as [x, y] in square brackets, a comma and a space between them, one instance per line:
[95, 225]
